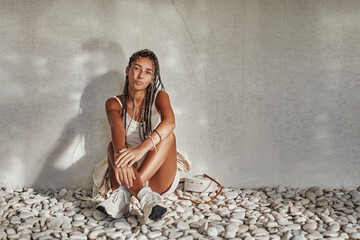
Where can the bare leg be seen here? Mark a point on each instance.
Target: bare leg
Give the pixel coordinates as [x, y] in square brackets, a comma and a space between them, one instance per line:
[137, 183]
[158, 167]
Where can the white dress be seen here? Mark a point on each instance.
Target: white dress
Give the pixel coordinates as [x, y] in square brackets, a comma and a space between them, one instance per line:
[102, 184]
[133, 139]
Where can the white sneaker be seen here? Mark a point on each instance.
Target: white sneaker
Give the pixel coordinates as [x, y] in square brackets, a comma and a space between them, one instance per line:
[117, 204]
[151, 204]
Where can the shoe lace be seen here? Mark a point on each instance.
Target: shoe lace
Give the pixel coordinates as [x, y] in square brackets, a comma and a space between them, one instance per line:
[149, 197]
[115, 196]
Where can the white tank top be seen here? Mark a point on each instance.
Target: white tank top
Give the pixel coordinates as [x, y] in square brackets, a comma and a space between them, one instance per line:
[133, 139]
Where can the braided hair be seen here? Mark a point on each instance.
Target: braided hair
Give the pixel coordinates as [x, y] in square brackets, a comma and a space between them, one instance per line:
[145, 118]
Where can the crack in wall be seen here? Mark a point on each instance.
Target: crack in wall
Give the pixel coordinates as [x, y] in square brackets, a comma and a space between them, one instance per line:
[193, 40]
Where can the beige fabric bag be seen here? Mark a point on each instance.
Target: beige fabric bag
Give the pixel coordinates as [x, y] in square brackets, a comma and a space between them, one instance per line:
[200, 183]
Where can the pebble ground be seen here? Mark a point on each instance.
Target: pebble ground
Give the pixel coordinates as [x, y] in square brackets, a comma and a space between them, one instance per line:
[263, 213]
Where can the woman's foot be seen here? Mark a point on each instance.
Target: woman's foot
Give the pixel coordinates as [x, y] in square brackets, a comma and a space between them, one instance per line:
[151, 204]
[117, 204]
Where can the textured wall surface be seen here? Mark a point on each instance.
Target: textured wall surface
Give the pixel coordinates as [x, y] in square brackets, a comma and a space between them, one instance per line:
[264, 92]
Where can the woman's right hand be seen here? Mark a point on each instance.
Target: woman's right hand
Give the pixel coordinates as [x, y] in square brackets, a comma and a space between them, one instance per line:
[125, 175]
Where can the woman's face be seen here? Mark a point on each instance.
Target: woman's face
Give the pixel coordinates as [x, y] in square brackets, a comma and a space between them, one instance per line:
[140, 73]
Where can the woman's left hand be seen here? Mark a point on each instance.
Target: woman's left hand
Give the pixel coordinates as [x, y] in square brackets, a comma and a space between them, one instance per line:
[128, 156]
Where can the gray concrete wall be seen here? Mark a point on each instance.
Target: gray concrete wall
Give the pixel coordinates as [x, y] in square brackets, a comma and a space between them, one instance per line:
[264, 92]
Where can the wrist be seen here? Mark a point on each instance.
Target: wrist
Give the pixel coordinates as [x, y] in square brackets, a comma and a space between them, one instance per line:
[146, 145]
[142, 148]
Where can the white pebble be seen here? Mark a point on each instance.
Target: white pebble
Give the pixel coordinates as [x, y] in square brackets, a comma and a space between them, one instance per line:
[231, 195]
[231, 230]
[99, 215]
[154, 234]
[175, 234]
[212, 232]
[78, 236]
[56, 222]
[355, 235]
[122, 226]
[182, 226]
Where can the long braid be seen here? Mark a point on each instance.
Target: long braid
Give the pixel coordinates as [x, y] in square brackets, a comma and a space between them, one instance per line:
[146, 111]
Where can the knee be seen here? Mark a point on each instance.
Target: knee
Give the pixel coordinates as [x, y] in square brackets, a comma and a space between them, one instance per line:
[170, 138]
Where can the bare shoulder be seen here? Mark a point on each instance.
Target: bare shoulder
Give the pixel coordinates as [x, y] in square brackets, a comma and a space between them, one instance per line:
[113, 103]
[162, 98]
[162, 101]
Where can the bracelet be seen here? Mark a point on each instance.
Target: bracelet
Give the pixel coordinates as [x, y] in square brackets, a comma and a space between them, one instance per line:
[153, 143]
[158, 134]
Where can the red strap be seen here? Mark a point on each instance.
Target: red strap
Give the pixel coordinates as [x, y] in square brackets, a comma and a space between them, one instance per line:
[207, 202]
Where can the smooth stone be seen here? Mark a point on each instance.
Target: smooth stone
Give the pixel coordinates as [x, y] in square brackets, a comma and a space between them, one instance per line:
[349, 229]
[214, 217]
[334, 227]
[25, 214]
[243, 229]
[114, 235]
[204, 227]
[132, 220]
[37, 235]
[271, 224]
[294, 226]
[94, 234]
[355, 235]
[203, 206]
[99, 215]
[144, 229]
[154, 234]
[10, 231]
[24, 226]
[158, 223]
[329, 234]
[179, 209]
[188, 237]
[15, 220]
[224, 212]
[182, 225]
[219, 228]
[185, 202]
[56, 222]
[174, 235]
[79, 217]
[231, 230]
[238, 215]
[231, 195]
[141, 237]
[66, 226]
[299, 238]
[78, 236]
[62, 193]
[77, 223]
[212, 232]
[259, 232]
[283, 221]
[122, 226]
[309, 225]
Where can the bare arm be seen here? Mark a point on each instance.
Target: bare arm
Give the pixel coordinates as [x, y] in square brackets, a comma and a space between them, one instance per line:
[113, 112]
[167, 124]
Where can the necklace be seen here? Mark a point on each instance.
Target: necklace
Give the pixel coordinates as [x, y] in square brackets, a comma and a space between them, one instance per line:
[137, 114]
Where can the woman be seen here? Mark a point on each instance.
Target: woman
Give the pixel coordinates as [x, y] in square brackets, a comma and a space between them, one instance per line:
[142, 157]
